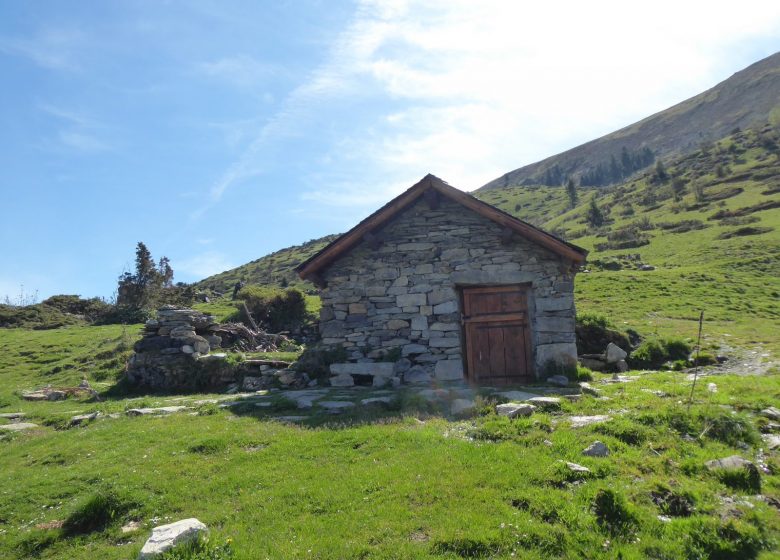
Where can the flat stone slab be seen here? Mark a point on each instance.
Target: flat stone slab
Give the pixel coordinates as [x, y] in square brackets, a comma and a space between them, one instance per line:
[151, 411]
[165, 537]
[12, 415]
[574, 467]
[515, 410]
[18, 426]
[83, 418]
[545, 402]
[581, 421]
[376, 400]
[336, 407]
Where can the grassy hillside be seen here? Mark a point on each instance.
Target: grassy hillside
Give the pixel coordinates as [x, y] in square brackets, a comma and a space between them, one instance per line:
[749, 97]
[715, 245]
[401, 481]
[275, 269]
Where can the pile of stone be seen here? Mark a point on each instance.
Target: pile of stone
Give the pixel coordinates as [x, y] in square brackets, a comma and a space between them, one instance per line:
[612, 359]
[175, 353]
[168, 354]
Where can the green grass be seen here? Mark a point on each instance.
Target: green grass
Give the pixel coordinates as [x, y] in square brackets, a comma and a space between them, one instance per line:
[382, 482]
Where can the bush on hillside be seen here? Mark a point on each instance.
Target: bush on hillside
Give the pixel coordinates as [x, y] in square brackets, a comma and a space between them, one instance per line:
[594, 333]
[654, 352]
[278, 310]
[93, 310]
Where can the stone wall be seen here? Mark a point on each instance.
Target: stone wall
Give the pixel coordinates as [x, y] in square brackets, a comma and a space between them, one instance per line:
[403, 295]
[174, 353]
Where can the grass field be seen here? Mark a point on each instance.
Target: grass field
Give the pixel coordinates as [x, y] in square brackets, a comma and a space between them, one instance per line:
[403, 481]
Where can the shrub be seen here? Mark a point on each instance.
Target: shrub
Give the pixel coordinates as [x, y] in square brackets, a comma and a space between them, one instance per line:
[718, 540]
[675, 504]
[278, 310]
[96, 512]
[613, 514]
[654, 352]
[594, 332]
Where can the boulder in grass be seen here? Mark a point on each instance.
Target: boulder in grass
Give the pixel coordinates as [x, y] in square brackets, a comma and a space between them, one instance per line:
[615, 353]
[165, 537]
[596, 449]
[515, 410]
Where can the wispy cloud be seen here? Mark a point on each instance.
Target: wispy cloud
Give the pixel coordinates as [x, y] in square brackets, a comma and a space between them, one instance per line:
[240, 70]
[470, 90]
[51, 48]
[77, 131]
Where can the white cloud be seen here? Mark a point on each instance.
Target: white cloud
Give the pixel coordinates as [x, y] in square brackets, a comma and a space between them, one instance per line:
[469, 90]
[203, 265]
[241, 70]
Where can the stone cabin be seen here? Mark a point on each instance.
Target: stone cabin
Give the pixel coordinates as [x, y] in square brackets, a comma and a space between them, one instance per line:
[460, 288]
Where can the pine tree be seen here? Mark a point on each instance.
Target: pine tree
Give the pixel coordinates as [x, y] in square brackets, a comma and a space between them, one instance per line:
[595, 216]
[571, 191]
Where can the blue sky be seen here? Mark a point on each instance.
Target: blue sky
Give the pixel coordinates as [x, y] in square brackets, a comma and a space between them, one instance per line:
[217, 132]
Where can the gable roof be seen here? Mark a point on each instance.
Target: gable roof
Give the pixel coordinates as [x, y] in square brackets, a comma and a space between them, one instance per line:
[364, 229]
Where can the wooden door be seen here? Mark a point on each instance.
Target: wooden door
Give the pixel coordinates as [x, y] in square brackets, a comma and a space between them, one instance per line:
[497, 331]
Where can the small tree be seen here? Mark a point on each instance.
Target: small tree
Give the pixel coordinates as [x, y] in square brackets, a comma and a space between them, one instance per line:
[571, 192]
[661, 175]
[150, 286]
[678, 188]
[595, 216]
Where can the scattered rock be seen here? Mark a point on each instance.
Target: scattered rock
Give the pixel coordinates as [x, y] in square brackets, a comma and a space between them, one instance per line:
[291, 418]
[160, 410]
[461, 406]
[559, 380]
[615, 353]
[18, 427]
[12, 415]
[131, 527]
[646, 267]
[546, 403]
[515, 410]
[622, 366]
[581, 421]
[574, 467]
[596, 449]
[572, 398]
[772, 413]
[729, 463]
[772, 441]
[83, 418]
[166, 537]
[595, 364]
[589, 389]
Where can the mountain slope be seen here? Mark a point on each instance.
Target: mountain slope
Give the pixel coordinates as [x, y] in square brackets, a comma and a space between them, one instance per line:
[749, 97]
[275, 269]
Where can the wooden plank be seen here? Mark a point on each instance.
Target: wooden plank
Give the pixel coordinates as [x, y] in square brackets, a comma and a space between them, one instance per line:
[496, 341]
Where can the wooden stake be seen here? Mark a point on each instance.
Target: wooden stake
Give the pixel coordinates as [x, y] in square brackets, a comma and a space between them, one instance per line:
[696, 368]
